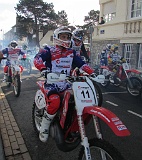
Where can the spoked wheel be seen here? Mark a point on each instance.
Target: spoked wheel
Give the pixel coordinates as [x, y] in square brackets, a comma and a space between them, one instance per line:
[16, 85]
[99, 94]
[101, 150]
[37, 115]
[29, 68]
[137, 85]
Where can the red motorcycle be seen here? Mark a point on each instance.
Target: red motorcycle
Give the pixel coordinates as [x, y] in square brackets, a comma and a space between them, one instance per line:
[79, 106]
[120, 74]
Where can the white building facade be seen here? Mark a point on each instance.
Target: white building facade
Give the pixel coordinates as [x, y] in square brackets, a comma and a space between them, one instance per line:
[123, 25]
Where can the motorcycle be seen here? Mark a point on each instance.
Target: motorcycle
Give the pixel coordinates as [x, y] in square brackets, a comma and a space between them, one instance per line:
[122, 75]
[13, 75]
[79, 106]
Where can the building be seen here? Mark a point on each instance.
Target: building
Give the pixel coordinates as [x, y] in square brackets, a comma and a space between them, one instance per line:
[123, 26]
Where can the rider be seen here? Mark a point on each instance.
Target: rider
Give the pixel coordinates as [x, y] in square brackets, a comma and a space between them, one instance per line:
[57, 59]
[104, 55]
[77, 43]
[11, 50]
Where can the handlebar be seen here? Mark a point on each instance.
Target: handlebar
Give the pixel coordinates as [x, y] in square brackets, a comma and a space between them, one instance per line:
[76, 76]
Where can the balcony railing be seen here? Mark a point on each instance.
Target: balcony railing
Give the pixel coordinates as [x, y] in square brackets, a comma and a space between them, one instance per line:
[133, 27]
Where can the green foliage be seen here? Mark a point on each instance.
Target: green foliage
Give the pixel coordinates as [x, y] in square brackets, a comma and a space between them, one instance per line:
[37, 15]
[93, 16]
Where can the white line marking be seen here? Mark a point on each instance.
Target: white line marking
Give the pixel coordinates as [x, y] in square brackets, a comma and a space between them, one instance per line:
[136, 114]
[112, 103]
[114, 92]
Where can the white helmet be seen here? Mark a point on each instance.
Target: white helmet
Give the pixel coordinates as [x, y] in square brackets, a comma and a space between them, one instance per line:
[45, 45]
[59, 42]
[13, 44]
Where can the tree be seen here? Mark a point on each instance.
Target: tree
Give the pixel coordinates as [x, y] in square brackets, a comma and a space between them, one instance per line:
[62, 18]
[38, 13]
[93, 16]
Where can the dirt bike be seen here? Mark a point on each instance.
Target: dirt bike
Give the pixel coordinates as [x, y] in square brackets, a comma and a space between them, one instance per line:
[13, 75]
[122, 75]
[79, 106]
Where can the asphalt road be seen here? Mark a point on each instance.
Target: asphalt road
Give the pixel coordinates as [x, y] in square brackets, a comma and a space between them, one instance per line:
[126, 107]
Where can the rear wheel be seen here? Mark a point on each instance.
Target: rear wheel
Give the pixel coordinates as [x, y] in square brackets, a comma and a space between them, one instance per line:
[137, 85]
[16, 85]
[101, 150]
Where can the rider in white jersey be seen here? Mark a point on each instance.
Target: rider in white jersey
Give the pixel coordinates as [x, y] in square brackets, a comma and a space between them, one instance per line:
[59, 59]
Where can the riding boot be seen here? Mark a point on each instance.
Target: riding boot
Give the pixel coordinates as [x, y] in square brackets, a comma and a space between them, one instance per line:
[45, 124]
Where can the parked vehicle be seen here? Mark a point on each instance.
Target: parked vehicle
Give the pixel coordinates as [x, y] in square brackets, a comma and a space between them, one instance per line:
[79, 106]
[123, 75]
[13, 76]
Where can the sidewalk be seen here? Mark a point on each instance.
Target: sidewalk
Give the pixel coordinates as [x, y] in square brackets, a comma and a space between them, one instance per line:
[12, 145]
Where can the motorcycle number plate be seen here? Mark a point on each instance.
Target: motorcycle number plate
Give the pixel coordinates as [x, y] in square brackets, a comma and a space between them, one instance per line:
[83, 95]
[40, 99]
[125, 66]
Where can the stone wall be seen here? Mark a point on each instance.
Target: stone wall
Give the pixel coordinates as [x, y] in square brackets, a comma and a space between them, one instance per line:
[97, 47]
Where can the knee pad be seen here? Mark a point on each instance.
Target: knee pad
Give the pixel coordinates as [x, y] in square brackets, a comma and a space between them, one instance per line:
[21, 69]
[5, 69]
[53, 103]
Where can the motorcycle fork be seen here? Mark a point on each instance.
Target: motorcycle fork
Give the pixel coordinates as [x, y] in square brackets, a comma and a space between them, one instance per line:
[84, 139]
[96, 123]
[128, 79]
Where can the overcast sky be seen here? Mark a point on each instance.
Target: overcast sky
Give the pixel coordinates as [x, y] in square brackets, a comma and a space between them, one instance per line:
[75, 9]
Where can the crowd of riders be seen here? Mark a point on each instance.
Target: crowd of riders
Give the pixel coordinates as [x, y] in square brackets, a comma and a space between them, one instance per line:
[110, 56]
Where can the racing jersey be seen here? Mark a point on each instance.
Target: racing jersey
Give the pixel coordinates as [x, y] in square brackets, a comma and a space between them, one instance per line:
[12, 53]
[60, 61]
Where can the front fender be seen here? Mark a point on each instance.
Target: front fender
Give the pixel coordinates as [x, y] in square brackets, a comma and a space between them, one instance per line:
[109, 118]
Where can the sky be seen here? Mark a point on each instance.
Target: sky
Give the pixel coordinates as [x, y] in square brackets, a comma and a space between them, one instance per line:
[75, 9]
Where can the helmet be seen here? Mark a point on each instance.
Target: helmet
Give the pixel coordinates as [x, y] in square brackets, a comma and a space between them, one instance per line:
[78, 34]
[45, 45]
[58, 41]
[108, 46]
[13, 44]
[114, 47]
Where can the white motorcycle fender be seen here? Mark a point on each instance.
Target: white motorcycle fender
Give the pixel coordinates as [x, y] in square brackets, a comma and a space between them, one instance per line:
[40, 99]
[100, 78]
[17, 68]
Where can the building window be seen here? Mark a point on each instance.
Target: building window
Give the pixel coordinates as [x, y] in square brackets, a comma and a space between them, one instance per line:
[51, 38]
[136, 8]
[128, 54]
[140, 57]
[109, 17]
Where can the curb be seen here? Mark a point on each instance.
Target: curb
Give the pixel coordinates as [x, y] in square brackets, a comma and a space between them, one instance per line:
[13, 146]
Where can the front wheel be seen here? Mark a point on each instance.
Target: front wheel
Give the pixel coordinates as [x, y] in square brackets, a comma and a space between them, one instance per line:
[16, 85]
[137, 85]
[100, 150]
